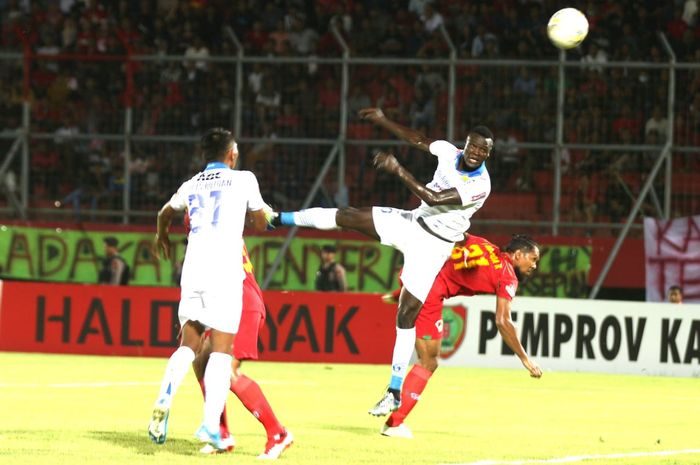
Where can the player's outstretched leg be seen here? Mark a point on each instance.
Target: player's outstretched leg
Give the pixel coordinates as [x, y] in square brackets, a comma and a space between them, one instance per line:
[319, 218]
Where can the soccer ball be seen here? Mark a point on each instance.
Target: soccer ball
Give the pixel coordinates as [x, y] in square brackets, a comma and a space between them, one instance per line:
[567, 28]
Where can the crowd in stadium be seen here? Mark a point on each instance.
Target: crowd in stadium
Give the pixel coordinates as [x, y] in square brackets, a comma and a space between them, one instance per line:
[88, 95]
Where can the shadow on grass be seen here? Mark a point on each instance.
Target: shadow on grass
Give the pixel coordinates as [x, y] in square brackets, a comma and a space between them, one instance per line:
[139, 443]
[359, 430]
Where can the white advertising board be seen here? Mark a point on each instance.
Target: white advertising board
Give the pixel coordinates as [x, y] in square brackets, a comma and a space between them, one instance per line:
[578, 335]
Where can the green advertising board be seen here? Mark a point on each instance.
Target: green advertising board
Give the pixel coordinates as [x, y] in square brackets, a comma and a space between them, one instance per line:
[54, 254]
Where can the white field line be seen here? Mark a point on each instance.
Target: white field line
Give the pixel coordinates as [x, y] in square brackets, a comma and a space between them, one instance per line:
[110, 384]
[581, 458]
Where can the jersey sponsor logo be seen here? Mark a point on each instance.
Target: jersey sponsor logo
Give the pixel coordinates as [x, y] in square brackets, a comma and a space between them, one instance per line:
[510, 289]
[454, 325]
[209, 176]
[478, 197]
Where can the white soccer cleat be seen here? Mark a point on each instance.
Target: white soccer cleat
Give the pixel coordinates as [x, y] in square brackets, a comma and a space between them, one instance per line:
[401, 431]
[385, 406]
[277, 445]
[158, 427]
[228, 442]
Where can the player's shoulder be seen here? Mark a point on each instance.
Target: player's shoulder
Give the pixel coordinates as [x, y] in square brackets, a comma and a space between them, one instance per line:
[442, 147]
[474, 239]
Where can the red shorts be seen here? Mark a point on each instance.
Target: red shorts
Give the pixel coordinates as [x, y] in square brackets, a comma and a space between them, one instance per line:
[429, 321]
[245, 346]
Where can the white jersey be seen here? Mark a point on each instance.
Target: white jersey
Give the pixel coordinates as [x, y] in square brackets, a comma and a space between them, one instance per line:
[452, 221]
[217, 200]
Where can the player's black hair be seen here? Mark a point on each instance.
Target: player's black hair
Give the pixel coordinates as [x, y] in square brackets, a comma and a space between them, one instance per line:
[483, 131]
[675, 288]
[215, 143]
[521, 242]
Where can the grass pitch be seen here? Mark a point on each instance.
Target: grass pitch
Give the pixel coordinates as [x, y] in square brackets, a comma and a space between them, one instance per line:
[84, 410]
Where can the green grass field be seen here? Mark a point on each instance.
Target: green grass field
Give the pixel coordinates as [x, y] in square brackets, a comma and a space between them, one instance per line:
[83, 410]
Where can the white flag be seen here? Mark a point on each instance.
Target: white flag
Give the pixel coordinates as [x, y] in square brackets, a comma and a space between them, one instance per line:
[672, 250]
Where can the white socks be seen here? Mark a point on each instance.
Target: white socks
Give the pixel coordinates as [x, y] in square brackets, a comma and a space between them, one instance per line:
[217, 380]
[178, 366]
[403, 349]
[319, 218]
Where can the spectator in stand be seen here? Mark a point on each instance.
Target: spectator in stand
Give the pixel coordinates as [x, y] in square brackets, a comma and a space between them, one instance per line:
[595, 57]
[115, 270]
[675, 295]
[657, 123]
[357, 100]
[267, 105]
[432, 20]
[422, 111]
[280, 38]
[331, 274]
[302, 38]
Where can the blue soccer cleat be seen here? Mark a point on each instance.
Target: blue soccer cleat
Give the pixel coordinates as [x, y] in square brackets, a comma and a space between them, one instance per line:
[218, 443]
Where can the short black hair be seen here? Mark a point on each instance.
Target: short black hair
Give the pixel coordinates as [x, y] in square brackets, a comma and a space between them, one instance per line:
[675, 288]
[111, 241]
[483, 131]
[328, 248]
[521, 242]
[215, 143]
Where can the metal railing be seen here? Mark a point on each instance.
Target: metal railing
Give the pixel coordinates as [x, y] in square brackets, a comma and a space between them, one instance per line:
[130, 208]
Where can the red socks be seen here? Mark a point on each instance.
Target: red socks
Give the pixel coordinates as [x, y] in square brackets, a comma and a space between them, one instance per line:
[254, 400]
[413, 386]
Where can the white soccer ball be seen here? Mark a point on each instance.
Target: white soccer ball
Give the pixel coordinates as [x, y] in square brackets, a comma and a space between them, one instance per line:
[567, 28]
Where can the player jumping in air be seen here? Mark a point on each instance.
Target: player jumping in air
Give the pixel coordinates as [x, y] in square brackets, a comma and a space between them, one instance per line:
[424, 235]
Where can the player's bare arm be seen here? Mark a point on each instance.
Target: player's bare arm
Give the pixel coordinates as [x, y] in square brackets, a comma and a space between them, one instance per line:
[387, 162]
[505, 326]
[413, 137]
[161, 242]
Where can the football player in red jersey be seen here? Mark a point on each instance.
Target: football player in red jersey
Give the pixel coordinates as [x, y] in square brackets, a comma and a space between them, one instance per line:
[476, 266]
[245, 347]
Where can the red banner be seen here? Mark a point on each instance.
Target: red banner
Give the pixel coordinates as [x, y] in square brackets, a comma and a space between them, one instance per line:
[142, 321]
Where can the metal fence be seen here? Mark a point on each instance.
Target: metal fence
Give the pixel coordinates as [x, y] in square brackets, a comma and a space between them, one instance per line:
[110, 139]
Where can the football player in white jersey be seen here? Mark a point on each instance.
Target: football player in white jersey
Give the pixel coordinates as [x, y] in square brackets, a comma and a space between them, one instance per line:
[424, 235]
[220, 201]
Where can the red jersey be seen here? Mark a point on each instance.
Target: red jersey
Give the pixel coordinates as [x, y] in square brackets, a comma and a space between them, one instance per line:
[477, 267]
[251, 302]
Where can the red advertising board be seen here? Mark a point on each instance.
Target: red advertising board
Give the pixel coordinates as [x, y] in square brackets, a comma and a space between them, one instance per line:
[142, 321]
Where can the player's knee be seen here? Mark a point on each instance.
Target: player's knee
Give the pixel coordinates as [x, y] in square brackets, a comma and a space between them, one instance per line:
[429, 363]
[347, 216]
[406, 316]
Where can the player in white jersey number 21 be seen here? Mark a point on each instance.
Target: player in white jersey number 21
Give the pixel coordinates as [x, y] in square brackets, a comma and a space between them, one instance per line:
[424, 235]
[220, 201]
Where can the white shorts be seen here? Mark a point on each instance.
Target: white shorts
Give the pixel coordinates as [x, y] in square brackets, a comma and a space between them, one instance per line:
[423, 253]
[218, 309]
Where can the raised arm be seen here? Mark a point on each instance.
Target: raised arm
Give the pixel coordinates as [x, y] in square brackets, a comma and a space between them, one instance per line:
[387, 162]
[507, 329]
[413, 137]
